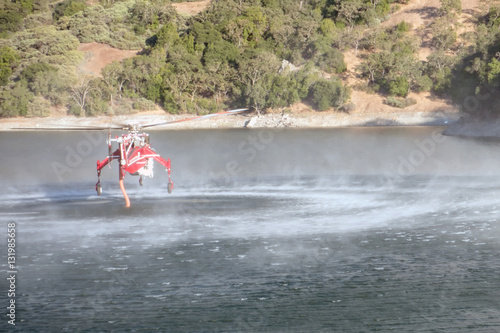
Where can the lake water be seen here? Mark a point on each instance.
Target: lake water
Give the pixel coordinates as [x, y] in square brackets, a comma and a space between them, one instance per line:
[340, 230]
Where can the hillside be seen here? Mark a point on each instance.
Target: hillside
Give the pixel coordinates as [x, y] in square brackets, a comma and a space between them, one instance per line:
[366, 91]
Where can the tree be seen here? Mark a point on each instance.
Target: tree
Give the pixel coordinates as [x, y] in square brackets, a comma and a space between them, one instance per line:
[356, 36]
[248, 28]
[439, 66]
[256, 72]
[236, 31]
[375, 66]
[329, 93]
[494, 15]
[14, 102]
[399, 86]
[167, 36]
[80, 92]
[494, 72]
[284, 91]
[68, 8]
[444, 35]
[9, 59]
[219, 53]
[113, 80]
[45, 80]
[332, 61]
[281, 29]
[349, 11]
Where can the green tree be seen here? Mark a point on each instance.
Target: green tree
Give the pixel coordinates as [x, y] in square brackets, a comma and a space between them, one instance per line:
[444, 35]
[14, 102]
[494, 15]
[113, 81]
[257, 71]
[399, 86]
[80, 93]
[494, 72]
[439, 68]
[9, 59]
[38, 107]
[45, 80]
[329, 93]
[167, 36]
[68, 8]
[281, 30]
[284, 91]
[332, 61]
[248, 28]
[349, 11]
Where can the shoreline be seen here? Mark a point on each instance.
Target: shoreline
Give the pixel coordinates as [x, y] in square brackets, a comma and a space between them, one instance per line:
[312, 119]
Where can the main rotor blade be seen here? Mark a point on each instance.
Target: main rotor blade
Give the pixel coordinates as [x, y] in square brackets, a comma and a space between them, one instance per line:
[197, 118]
[75, 128]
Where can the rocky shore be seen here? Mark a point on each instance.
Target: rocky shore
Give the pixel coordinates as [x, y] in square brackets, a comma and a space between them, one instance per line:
[309, 119]
[474, 128]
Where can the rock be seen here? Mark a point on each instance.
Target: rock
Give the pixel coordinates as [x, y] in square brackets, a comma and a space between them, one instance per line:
[251, 122]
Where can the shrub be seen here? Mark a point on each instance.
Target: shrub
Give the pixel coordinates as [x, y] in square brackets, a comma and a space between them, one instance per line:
[14, 102]
[139, 30]
[442, 81]
[332, 61]
[395, 8]
[367, 87]
[347, 108]
[400, 102]
[74, 109]
[39, 107]
[143, 104]
[329, 93]
[95, 105]
[206, 105]
[37, 20]
[403, 27]
[399, 86]
[124, 106]
[9, 21]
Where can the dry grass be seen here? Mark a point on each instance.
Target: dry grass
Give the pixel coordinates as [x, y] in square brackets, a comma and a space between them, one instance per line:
[97, 56]
[191, 8]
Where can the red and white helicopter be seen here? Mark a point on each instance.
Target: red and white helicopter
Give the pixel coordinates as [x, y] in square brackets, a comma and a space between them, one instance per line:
[134, 153]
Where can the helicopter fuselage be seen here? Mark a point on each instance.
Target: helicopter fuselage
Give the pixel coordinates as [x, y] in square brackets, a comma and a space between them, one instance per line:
[135, 156]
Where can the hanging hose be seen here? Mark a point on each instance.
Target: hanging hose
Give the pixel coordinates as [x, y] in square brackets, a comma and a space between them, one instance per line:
[127, 200]
[122, 187]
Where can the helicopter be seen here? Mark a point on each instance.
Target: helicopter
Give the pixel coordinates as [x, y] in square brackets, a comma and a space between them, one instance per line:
[134, 153]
